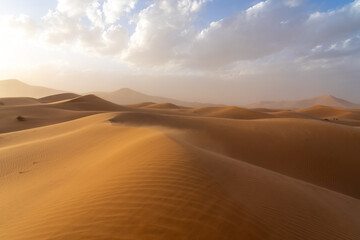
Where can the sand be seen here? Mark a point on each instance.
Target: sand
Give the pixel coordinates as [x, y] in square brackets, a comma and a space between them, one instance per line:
[58, 97]
[229, 112]
[86, 168]
[163, 106]
[12, 101]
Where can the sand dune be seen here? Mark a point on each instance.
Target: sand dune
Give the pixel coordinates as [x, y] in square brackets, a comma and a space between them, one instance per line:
[163, 106]
[230, 112]
[11, 101]
[331, 112]
[105, 171]
[89, 103]
[291, 114]
[140, 105]
[35, 116]
[298, 159]
[58, 97]
[326, 100]
[127, 96]
[322, 111]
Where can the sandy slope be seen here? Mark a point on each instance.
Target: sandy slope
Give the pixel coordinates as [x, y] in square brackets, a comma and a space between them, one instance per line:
[229, 112]
[327, 100]
[58, 97]
[88, 103]
[148, 174]
[11, 101]
[331, 112]
[295, 147]
[163, 106]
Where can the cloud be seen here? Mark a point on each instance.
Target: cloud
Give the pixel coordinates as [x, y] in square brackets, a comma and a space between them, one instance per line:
[268, 28]
[334, 25]
[105, 43]
[80, 24]
[166, 34]
[22, 23]
[113, 9]
[163, 31]
[73, 8]
[348, 47]
[60, 28]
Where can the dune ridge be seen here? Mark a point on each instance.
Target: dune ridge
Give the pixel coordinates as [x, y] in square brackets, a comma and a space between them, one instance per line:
[163, 106]
[58, 97]
[11, 101]
[89, 103]
[327, 100]
[230, 112]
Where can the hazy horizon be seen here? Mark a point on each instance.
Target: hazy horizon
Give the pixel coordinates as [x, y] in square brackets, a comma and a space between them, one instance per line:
[226, 52]
[96, 91]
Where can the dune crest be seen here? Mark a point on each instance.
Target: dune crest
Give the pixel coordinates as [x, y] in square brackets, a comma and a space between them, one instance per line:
[326, 100]
[58, 97]
[230, 112]
[163, 106]
[12, 101]
[89, 103]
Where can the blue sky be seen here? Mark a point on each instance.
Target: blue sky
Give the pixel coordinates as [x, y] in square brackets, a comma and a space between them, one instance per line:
[275, 49]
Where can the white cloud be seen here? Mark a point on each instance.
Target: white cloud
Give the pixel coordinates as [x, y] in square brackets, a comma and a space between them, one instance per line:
[59, 28]
[166, 37]
[334, 25]
[346, 48]
[114, 9]
[73, 8]
[22, 23]
[268, 28]
[105, 43]
[80, 24]
[94, 14]
[163, 31]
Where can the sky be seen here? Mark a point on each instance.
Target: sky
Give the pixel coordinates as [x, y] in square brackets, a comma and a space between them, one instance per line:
[221, 51]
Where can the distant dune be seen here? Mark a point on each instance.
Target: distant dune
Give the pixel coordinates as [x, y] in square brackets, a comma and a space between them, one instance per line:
[89, 103]
[326, 100]
[140, 105]
[229, 112]
[10, 101]
[81, 167]
[58, 97]
[163, 106]
[126, 96]
[15, 88]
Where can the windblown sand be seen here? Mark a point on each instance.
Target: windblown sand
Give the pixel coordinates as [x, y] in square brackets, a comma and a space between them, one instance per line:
[85, 168]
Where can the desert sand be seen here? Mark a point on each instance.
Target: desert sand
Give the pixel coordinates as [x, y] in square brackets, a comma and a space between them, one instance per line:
[327, 100]
[80, 167]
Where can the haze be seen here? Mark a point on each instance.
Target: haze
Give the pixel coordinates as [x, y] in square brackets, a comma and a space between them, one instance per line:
[232, 52]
